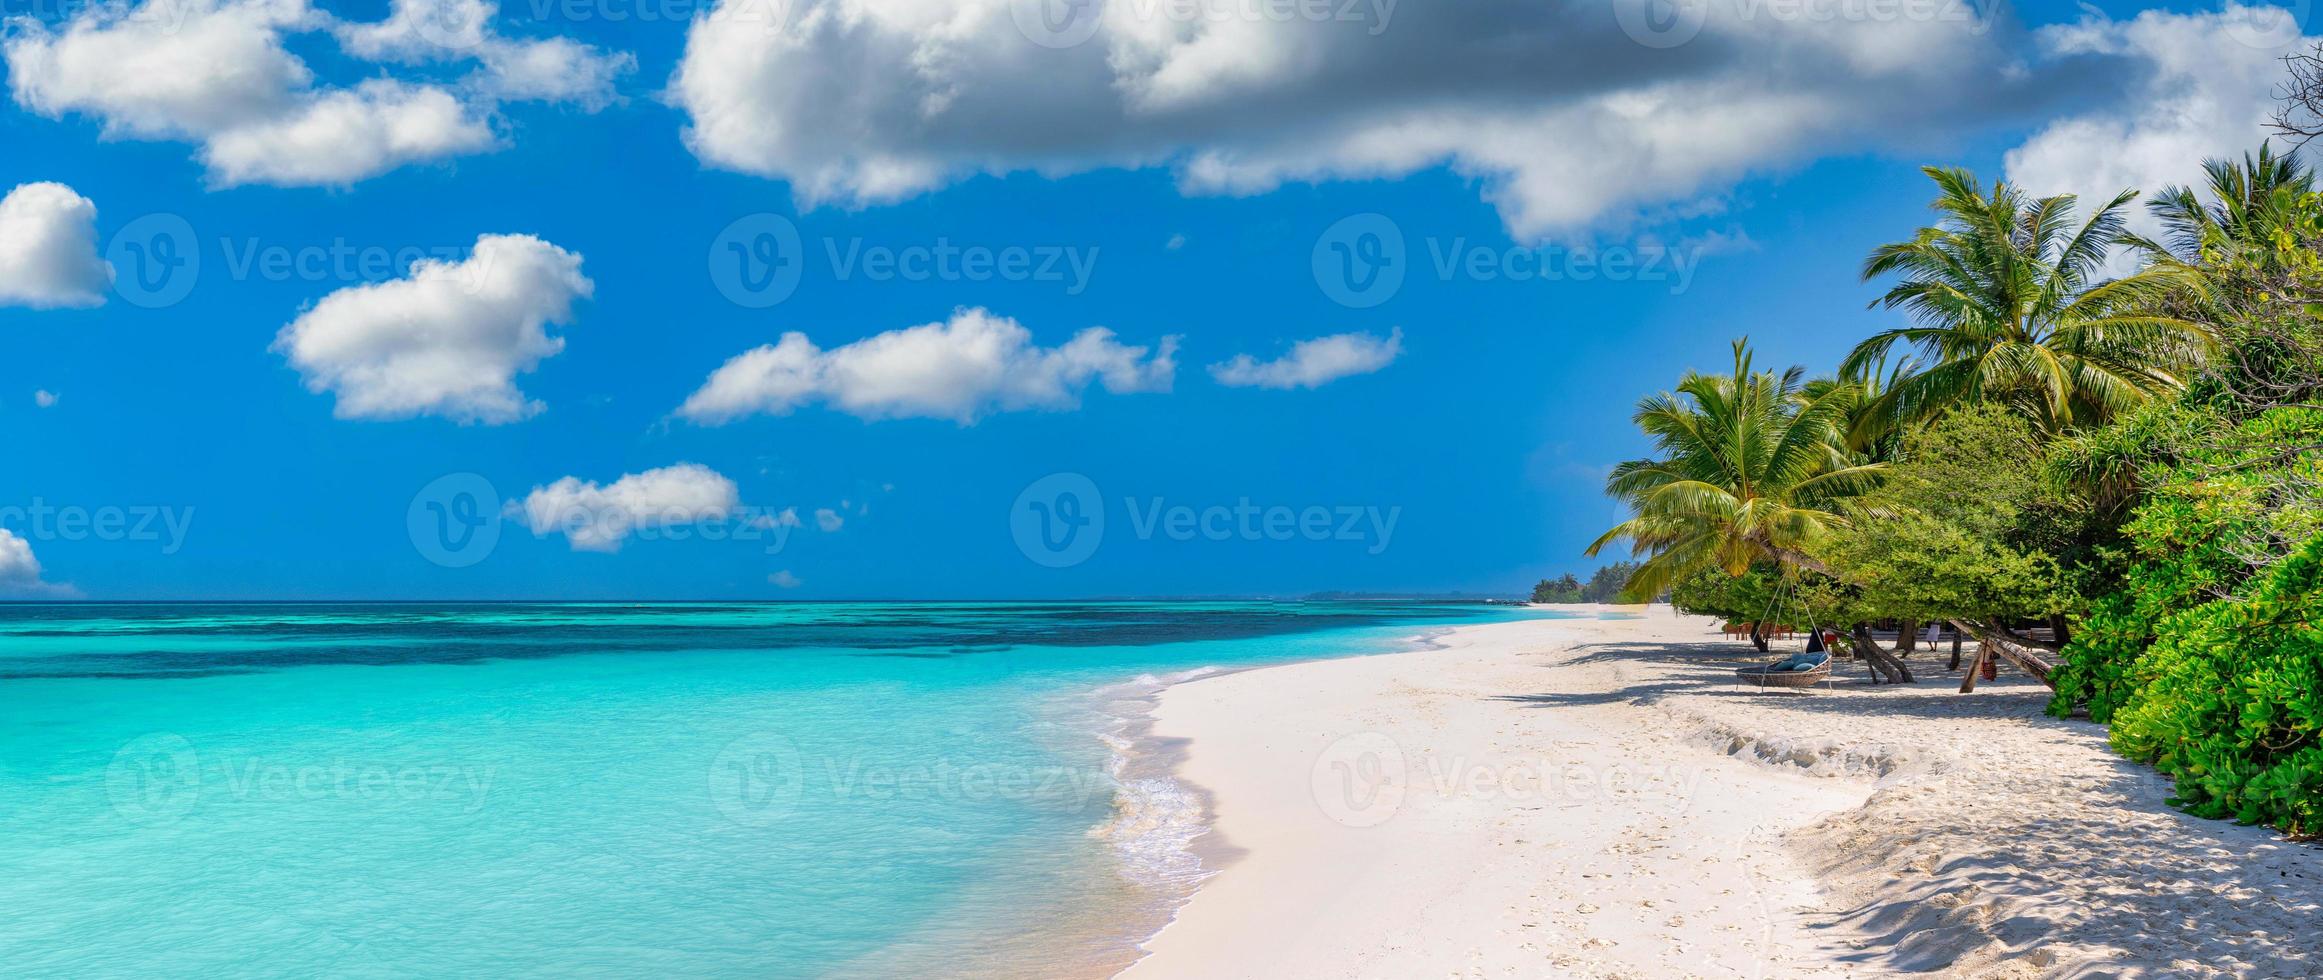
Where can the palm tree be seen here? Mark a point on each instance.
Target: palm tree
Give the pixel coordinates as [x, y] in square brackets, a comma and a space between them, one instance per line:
[1747, 467]
[1872, 432]
[2006, 303]
[2248, 203]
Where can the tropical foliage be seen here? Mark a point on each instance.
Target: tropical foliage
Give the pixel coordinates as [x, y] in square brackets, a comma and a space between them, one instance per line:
[1748, 466]
[1603, 586]
[2098, 453]
[2008, 303]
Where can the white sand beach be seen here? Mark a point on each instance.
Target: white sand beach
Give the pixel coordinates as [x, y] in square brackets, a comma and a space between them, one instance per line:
[1595, 798]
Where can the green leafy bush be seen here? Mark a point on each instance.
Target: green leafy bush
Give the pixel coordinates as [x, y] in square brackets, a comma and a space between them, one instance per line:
[2233, 704]
[2208, 660]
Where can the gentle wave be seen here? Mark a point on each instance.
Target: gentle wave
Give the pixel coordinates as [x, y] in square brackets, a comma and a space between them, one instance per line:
[1156, 818]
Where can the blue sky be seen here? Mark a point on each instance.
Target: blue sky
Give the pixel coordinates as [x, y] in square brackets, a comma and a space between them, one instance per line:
[197, 448]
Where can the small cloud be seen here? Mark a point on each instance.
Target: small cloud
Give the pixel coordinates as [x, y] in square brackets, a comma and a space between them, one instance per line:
[829, 520]
[447, 340]
[44, 398]
[964, 368]
[1313, 363]
[48, 249]
[784, 579]
[1175, 243]
[598, 518]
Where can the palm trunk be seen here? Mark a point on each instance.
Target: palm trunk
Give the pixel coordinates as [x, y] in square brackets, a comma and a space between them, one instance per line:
[1886, 666]
[1907, 637]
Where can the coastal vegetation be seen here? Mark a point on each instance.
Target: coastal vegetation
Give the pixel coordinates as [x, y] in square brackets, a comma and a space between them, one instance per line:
[1604, 585]
[2096, 452]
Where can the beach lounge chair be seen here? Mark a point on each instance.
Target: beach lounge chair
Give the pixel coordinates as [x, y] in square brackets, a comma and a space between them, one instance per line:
[1799, 670]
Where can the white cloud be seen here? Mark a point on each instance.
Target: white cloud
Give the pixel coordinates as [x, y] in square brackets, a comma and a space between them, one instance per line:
[1563, 119]
[959, 369]
[44, 398]
[2207, 91]
[48, 249]
[20, 571]
[17, 565]
[348, 136]
[221, 73]
[447, 340]
[599, 518]
[1312, 363]
[828, 520]
[784, 579]
[552, 69]
[163, 69]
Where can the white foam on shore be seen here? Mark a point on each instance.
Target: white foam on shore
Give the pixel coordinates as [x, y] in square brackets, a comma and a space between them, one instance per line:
[1156, 818]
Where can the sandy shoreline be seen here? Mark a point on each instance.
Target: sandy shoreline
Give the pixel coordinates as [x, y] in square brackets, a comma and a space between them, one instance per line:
[1589, 798]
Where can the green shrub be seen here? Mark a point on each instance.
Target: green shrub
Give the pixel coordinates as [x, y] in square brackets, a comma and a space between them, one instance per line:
[2208, 660]
[2233, 709]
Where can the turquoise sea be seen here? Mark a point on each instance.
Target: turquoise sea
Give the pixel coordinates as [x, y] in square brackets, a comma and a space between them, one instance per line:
[905, 789]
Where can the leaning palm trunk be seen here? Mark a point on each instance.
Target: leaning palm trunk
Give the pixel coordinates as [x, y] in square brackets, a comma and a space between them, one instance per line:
[1885, 666]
